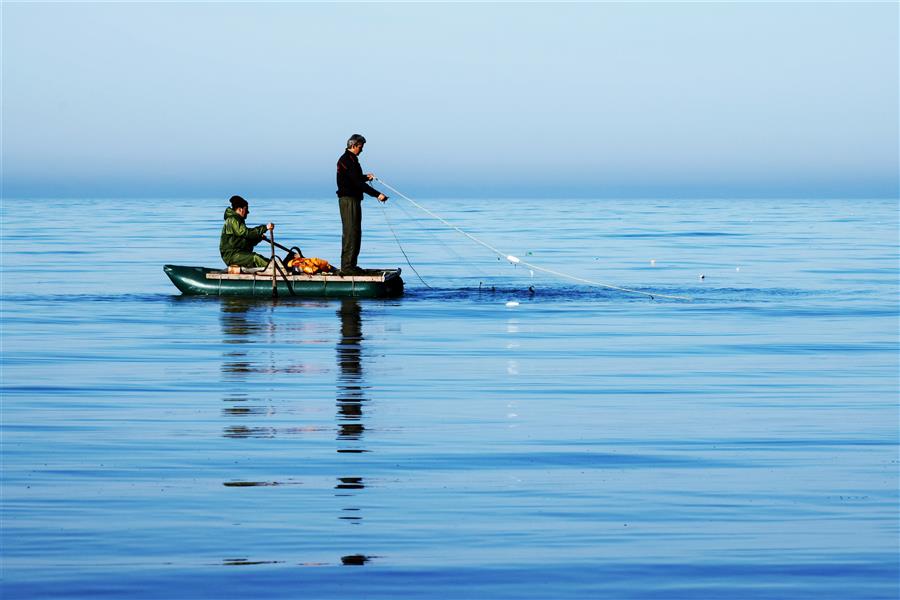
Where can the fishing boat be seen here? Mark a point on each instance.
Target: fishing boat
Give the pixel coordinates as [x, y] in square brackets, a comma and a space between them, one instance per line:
[203, 281]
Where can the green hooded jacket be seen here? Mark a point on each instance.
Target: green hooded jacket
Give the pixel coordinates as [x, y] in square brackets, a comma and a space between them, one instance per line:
[237, 239]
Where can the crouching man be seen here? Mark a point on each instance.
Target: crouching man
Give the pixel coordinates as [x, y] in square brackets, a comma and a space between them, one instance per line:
[237, 241]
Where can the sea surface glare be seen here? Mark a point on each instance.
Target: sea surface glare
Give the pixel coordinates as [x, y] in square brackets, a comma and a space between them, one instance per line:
[472, 439]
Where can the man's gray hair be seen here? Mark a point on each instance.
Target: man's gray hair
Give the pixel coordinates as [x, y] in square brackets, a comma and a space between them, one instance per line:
[355, 140]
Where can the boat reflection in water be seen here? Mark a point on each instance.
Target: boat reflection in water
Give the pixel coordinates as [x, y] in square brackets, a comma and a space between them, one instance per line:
[244, 322]
[238, 331]
[249, 329]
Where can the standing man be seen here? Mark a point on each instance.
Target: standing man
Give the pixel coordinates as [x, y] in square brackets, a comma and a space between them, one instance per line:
[352, 184]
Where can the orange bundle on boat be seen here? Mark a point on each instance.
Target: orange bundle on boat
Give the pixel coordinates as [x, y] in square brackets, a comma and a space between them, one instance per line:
[310, 266]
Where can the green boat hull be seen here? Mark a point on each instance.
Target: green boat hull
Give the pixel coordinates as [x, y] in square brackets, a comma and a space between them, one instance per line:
[202, 281]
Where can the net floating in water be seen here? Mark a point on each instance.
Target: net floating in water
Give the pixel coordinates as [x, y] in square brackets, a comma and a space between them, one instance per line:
[310, 266]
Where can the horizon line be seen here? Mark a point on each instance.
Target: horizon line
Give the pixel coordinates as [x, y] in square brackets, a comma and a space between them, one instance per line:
[570, 196]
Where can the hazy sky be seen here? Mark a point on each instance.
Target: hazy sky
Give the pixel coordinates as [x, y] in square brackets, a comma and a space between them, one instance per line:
[587, 99]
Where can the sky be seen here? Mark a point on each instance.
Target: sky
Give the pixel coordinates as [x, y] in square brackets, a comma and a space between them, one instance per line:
[602, 99]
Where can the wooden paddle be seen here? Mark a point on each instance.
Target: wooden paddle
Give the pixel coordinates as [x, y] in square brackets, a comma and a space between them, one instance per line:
[277, 267]
[285, 248]
[274, 267]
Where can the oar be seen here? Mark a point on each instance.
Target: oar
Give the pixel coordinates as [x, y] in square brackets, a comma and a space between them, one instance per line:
[277, 267]
[286, 280]
[274, 268]
[286, 249]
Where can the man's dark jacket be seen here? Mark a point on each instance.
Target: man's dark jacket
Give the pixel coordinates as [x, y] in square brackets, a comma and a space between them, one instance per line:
[350, 179]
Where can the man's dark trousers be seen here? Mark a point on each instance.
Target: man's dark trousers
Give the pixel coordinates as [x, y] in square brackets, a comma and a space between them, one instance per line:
[351, 219]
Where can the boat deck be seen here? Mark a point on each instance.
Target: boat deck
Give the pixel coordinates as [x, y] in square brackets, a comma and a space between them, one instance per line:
[372, 276]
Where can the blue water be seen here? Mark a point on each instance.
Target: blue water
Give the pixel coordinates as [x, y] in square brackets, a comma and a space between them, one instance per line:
[497, 434]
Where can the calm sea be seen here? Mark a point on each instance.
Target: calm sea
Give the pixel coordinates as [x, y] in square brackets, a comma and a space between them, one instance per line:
[492, 434]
